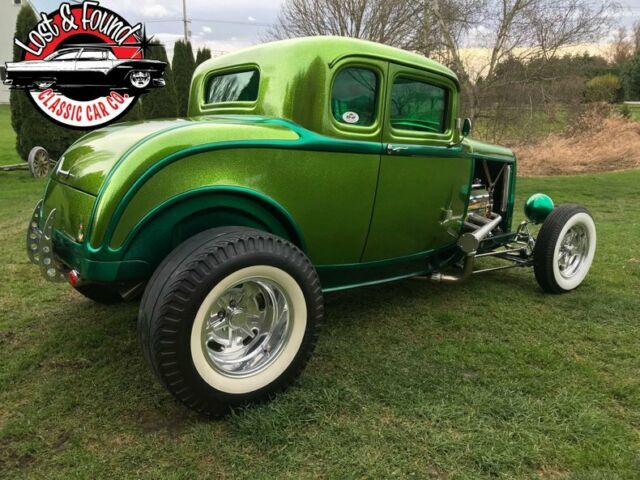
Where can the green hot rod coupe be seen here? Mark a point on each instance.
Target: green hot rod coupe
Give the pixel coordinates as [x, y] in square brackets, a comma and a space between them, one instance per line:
[305, 166]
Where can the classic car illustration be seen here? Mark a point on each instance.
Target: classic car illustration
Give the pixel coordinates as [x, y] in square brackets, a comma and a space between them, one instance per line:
[84, 67]
[306, 166]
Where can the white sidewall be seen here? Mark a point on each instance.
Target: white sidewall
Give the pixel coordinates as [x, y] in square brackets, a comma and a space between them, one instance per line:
[571, 283]
[298, 319]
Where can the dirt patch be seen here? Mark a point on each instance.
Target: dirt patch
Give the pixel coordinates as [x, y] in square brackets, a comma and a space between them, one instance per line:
[603, 145]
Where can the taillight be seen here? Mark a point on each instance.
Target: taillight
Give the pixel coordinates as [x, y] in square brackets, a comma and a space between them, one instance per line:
[74, 277]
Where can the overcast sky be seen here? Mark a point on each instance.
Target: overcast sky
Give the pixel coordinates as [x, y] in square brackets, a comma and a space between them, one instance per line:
[224, 25]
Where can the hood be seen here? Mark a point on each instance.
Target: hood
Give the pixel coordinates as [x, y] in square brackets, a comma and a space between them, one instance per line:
[477, 147]
[133, 147]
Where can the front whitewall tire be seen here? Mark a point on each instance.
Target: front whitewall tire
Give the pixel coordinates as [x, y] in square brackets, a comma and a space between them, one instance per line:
[565, 249]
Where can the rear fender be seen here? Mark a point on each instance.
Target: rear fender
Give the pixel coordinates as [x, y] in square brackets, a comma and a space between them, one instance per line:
[192, 212]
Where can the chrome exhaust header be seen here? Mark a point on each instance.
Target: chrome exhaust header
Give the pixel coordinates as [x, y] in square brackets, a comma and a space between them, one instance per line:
[469, 243]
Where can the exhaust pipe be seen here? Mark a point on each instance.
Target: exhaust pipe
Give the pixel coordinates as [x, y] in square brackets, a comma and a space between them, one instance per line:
[468, 243]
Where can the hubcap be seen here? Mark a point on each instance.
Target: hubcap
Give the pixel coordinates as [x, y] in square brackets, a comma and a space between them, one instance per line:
[140, 79]
[574, 248]
[246, 327]
[43, 84]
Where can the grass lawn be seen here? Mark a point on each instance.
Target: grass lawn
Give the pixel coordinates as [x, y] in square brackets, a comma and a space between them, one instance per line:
[7, 138]
[633, 109]
[488, 379]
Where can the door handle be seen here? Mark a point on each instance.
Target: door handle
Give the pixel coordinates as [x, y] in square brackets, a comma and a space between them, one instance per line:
[391, 149]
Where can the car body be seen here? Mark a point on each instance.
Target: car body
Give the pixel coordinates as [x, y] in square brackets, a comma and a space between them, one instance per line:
[308, 166]
[86, 66]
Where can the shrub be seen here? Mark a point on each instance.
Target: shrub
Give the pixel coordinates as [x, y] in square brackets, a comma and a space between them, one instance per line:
[631, 78]
[603, 88]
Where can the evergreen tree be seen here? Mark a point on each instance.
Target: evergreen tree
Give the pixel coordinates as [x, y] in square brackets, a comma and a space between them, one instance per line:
[161, 102]
[25, 21]
[202, 55]
[183, 66]
[135, 114]
[31, 127]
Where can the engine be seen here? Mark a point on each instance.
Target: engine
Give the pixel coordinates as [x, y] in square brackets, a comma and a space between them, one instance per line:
[480, 202]
[489, 193]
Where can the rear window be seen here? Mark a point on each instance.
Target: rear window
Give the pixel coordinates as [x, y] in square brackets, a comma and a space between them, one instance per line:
[233, 87]
[353, 99]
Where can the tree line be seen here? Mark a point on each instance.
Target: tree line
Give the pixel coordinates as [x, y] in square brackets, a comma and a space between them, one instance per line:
[169, 102]
[512, 57]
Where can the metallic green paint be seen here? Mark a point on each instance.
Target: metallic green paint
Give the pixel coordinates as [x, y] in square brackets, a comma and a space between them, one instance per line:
[366, 203]
[538, 207]
[297, 75]
[333, 219]
[73, 207]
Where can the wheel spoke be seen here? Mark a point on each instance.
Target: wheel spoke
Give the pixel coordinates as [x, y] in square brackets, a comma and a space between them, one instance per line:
[250, 322]
[573, 250]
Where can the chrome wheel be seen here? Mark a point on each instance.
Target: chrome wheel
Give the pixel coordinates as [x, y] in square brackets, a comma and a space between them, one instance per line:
[246, 327]
[574, 248]
[140, 79]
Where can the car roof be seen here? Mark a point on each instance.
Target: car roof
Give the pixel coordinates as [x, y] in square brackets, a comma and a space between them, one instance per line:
[83, 47]
[330, 49]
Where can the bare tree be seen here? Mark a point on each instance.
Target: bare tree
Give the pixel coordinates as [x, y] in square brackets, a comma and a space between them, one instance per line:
[525, 30]
[392, 22]
[622, 46]
[636, 37]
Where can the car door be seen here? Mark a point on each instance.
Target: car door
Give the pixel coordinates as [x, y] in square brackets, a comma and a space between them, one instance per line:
[424, 173]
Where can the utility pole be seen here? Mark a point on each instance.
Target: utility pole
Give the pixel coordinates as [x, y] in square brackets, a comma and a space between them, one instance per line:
[185, 21]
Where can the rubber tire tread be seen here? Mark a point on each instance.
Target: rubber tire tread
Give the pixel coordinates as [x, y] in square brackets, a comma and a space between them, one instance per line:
[176, 290]
[546, 243]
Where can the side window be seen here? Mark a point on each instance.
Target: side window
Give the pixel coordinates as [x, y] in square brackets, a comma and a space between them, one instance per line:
[418, 106]
[353, 99]
[67, 55]
[91, 55]
[233, 87]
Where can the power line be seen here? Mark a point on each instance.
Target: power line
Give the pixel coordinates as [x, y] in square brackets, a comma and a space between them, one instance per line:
[226, 22]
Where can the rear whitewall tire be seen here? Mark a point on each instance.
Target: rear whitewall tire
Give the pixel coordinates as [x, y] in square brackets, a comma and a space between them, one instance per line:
[251, 383]
[182, 302]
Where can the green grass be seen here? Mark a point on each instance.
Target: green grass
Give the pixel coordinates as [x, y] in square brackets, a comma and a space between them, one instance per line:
[488, 379]
[632, 109]
[7, 138]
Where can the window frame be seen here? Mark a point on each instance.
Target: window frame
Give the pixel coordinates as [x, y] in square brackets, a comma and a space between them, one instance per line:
[248, 104]
[399, 135]
[445, 117]
[376, 125]
[376, 111]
